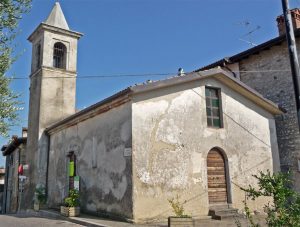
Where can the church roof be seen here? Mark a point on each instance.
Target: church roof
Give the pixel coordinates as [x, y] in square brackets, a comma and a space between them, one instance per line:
[56, 18]
[216, 73]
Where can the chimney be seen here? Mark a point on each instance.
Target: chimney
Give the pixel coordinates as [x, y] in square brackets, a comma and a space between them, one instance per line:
[180, 72]
[295, 14]
[24, 132]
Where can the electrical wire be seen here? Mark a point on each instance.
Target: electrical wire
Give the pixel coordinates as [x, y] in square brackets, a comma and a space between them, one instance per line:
[97, 76]
[138, 75]
[167, 74]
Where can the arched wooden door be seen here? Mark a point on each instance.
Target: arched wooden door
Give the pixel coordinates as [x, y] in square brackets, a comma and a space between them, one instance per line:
[216, 177]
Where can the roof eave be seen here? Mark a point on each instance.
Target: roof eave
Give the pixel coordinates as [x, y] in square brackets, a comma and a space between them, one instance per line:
[216, 73]
[244, 54]
[15, 143]
[124, 92]
[54, 29]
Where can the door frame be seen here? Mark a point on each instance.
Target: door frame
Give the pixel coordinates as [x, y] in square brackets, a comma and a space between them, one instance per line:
[227, 175]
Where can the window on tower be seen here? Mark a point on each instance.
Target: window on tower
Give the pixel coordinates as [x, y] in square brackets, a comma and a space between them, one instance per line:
[59, 55]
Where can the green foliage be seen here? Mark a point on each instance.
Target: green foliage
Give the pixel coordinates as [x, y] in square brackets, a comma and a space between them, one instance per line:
[177, 207]
[40, 193]
[249, 216]
[10, 13]
[285, 209]
[73, 199]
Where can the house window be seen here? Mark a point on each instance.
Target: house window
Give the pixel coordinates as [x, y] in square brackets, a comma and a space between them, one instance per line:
[59, 55]
[213, 107]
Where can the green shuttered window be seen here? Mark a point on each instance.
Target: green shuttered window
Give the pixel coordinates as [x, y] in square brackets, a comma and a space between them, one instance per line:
[213, 107]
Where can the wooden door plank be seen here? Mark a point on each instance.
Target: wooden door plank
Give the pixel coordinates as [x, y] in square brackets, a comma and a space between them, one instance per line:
[216, 177]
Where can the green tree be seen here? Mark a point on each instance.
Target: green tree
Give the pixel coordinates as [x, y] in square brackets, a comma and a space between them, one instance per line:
[285, 209]
[10, 13]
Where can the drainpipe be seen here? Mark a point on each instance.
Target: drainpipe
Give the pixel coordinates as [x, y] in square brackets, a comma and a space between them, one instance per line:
[294, 64]
[5, 186]
[18, 180]
[233, 73]
[47, 169]
[227, 60]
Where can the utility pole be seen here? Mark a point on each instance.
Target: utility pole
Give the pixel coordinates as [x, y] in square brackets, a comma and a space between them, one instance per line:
[290, 36]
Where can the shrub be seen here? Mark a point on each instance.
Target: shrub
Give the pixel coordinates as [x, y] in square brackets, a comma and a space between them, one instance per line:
[285, 209]
[40, 193]
[73, 199]
[177, 207]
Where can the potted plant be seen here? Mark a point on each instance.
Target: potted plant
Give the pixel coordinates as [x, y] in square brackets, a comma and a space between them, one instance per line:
[180, 218]
[40, 198]
[71, 204]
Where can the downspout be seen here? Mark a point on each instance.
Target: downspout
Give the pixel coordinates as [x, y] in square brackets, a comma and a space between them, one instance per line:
[47, 169]
[5, 186]
[226, 67]
[18, 180]
[227, 60]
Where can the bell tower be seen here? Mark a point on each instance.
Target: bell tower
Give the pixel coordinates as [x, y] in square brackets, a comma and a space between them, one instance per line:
[52, 90]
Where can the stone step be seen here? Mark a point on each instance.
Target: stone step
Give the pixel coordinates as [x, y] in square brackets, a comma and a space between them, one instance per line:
[226, 216]
[220, 206]
[221, 213]
[202, 217]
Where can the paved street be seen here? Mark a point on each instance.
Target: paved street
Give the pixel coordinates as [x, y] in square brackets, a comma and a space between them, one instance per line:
[23, 221]
[27, 220]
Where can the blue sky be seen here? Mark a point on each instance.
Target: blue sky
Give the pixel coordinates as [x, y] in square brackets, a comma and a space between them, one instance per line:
[142, 37]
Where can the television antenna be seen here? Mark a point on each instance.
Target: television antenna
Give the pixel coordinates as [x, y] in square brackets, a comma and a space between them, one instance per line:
[248, 37]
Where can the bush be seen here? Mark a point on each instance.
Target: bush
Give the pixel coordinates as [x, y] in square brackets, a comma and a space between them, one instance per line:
[285, 209]
[73, 199]
[40, 193]
[177, 207]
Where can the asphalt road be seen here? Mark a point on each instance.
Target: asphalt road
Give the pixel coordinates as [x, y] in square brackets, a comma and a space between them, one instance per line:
[21, 221]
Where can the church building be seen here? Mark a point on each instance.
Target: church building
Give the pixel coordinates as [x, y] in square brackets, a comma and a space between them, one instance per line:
[199, 136]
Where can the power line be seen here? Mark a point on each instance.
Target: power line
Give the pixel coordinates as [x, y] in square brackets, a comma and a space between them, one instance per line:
[140, 75]
[165, 74]
[98, 76]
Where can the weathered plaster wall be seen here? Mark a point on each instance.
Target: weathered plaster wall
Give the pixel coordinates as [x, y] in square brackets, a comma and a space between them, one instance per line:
[105, 173]
[13, 198]
[171, 141]
[52, 98]
[274, 81]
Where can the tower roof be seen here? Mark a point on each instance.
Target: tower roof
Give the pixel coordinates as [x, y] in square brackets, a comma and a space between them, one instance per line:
[56, 18]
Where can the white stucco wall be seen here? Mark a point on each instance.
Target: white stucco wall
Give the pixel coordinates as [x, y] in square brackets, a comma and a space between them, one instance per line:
[105, 172]
[171, 140]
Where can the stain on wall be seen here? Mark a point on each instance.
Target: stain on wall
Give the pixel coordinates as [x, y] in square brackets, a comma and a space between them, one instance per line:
[105, 173]
[167, 131]
[171, 141]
